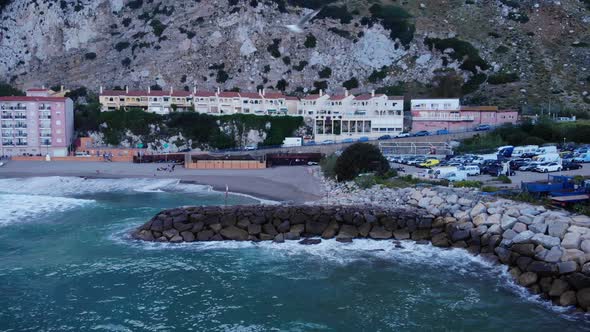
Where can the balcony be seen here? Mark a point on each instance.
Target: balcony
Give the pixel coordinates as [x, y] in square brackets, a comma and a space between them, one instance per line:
[45, 117]
[45, 134]
[20, 117]
[443, 118]
[21, 143]
[6, 117]
[45, 143]
[20, 125]
[21, 134]
[7, 143]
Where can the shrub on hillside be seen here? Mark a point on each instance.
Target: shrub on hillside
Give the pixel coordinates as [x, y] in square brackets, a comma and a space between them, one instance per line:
[90, 56]
[328, 165]
[396, 20]
[352, 83]
[310, 41]
[360, 158]
[462, 51]
[325, 73]
[8, 90]
[503, 78]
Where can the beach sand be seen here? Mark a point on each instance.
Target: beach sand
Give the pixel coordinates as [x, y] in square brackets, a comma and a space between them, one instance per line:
[286, 184]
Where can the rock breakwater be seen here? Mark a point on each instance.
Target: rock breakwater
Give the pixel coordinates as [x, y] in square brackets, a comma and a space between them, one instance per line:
[547, 251]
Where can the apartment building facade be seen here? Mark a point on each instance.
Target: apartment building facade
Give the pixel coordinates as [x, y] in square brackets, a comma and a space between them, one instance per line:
[347, 116]
[36, 124]
[448, 114]
[216, 103]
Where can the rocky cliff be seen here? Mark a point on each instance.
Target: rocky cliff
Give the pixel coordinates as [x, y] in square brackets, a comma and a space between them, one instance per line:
[497, 51]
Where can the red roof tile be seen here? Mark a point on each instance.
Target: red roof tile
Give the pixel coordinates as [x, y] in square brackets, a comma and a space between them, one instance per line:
[311, 97]
[251, 95]
[368, 96]
[338, 97]
[31, 98]
[229, 94]
[274, 95]
[37, 89]
[291, 98]
[395, 98]
[204, 94]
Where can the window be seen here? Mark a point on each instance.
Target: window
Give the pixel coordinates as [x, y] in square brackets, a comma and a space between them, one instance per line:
[59, 140]
[58, 122]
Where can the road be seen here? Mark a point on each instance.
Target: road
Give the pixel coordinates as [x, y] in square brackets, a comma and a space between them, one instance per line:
[331, 148]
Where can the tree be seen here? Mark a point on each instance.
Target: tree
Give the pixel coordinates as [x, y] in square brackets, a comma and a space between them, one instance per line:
[360, 158]
[8, 90]
[448, 85]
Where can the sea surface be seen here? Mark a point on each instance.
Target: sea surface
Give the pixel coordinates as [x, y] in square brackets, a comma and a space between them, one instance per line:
[67, 264]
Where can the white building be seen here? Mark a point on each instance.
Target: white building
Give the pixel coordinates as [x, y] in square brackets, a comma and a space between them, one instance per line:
[351, 117]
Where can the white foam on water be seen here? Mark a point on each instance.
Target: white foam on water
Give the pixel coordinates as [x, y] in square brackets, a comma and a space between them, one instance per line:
[69, 186]
[458, 261]
[21, 207]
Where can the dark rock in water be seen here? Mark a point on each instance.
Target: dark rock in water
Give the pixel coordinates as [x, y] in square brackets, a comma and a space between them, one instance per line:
[459, 244]
[243, 223]
[420, 234]
[182, 218]
[197, 217]
[568, 299]
[254, 229]
[364, 230]
[299, 219]
[546, 283]
[440, 240]
[157, 225]
[292, 236]
[176, 239]
[144, 235]
[379, 233]
[205, 235]
[270, 230]
[279, 238]
[348, 231]
[344, 239]
[170, 233]
[181, 227]
[525, 249]
[228, 220]
[187, 236]
[298, 229]
[460, 235]
[167, 224]
[490, 258]
[401, 234]
[578, 280]
[422, 242]
[253, 238]
[216, 237]
[234, 233]
[147, 226]
[523, 262]
[215, 227]
[399, 246]
[197, 227]
[315, 227]
[266, 237]
[284, 227]
[329, 233]
[162, 239]
[542, 268]
[503, 254]
[310, 241]
[583, 297]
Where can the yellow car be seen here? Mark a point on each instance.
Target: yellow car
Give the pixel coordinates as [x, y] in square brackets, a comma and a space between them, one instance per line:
[430, 163]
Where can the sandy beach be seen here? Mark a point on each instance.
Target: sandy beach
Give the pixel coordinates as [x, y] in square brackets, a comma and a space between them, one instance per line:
[287, 184]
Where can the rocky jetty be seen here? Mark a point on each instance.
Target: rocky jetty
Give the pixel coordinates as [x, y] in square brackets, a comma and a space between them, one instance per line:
[547, 251]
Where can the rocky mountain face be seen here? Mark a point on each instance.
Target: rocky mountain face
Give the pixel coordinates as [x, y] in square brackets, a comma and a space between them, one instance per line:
[507, 52]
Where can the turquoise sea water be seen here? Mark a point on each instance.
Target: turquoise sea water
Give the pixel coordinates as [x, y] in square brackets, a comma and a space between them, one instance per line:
[67, 263]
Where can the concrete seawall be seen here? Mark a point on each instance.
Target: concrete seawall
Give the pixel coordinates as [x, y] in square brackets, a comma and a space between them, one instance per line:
[536, 244]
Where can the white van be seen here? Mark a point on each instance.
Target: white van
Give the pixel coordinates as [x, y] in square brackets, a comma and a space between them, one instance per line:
[483, 157]
[440, 172]
[548, 158]
[547, 149]
[520, 150]
[471, 170]
[455, 176]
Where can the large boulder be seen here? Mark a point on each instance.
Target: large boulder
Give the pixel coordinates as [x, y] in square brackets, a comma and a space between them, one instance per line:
[313, 227]
[254, 229]
[205, 235]
[583, 298]
[234, 233]
[542, 268]
[553, 255]
[478, 209]
[585, 246]
[348, 231]
[170, 233]
[557, 228]
[578, 280]
[571, 240]
[507, 221]
[269, 229]
[181, 226]
[558, 287]
[567, 267]
[525, 249]
[540, 228]
[379, 233]
[187, 236]
[546, 241]
[568, 299]
[527, 279]
[523, 237]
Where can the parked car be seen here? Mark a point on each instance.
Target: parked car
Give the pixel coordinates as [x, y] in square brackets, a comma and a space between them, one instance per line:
[311, 143]
[483, 127]
[415, 161]
[529, 155]
[429, 163]
[404, 134]
[363, 139]
[348, 140]
[251, 147]
[582, 158]
[421, 133]
[442, 132]
[528, 167]
[384, 137]
[497, 170]
[548, 167]
[328, 141]
[571, 166]
[471, 170]
[517, 163]
[455, 176]
[312, 163]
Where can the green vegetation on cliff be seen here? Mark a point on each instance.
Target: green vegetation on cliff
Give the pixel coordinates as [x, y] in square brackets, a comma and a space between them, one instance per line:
[206, 131]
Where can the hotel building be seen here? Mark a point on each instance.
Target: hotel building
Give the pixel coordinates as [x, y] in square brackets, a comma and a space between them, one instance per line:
[438, 114]
[37, 124]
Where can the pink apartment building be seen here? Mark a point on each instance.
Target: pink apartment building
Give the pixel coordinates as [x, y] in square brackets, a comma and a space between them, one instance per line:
[438, 114]
[36, 124]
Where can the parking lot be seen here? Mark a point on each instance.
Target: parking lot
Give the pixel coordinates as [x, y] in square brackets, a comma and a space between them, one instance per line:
[520, 176]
